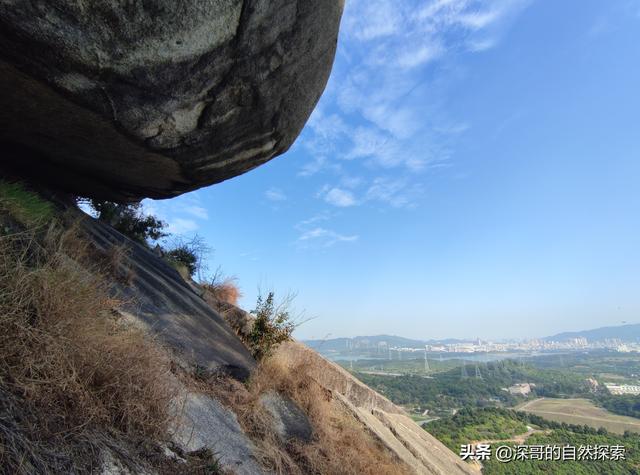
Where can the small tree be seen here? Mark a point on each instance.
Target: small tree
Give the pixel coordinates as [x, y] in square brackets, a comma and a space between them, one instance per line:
[183, 256]
[129, 220]
[271, 327]
[189, 254]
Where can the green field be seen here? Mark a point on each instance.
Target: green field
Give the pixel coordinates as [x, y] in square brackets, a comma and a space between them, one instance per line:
[580, 412]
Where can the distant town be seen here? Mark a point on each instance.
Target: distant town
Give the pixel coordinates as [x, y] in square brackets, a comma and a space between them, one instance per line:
[380, 347]
[572, 344]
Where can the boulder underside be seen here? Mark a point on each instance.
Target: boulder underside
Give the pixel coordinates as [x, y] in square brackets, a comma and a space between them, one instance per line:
[127, 100]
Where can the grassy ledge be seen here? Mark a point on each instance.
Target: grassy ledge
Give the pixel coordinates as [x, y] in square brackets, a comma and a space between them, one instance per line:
[25, 206]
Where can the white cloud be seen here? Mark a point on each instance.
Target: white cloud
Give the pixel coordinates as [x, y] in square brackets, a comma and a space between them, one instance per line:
[181, 226]
[351, 181]
[367, 142]
[315, 233]
[197, 211]
[275, 194]
[421, 56]
[339, 197]
[440, 9]
[383, 112]
[452, 129]
[182, 214]
[323, 237]
[322, 137]
[327, 127]
[397, 193]
[479, 19]
[316, 164]
[367, 20]
[481, 44]
[324, 216]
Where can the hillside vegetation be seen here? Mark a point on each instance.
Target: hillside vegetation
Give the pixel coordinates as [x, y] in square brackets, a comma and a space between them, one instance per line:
[494, 425]
[456, 388]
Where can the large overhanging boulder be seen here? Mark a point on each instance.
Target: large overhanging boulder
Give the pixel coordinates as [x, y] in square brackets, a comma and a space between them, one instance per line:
[126, 99]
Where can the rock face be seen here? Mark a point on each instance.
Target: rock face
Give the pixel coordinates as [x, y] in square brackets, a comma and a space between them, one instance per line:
[126, 100]
[290, 422]
[155, 297]
[205, 423]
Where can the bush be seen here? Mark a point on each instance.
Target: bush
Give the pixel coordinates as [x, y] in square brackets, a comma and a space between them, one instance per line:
[272, 326]
[187, 254]
[221, 289]
[182, 256]
[129, 220]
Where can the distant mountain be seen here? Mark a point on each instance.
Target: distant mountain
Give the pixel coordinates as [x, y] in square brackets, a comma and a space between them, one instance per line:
[363, 342]
[627, 333]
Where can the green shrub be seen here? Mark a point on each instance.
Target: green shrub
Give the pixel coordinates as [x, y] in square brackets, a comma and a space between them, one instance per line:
[183, 256]
[129, 219]
[271, 327]
[188, 255]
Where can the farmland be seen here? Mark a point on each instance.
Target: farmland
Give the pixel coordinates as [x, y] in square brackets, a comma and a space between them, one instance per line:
[580, 412]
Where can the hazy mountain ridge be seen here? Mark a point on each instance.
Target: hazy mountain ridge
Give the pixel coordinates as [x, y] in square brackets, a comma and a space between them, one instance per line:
[628, 333]
[625, 333]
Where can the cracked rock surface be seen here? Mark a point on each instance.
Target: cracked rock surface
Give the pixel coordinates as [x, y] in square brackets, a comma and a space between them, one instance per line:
[126, 99]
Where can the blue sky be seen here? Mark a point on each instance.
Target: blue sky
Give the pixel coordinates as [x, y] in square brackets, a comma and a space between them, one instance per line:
[470, 171]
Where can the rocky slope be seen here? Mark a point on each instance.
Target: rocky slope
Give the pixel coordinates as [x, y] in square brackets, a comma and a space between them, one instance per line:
[160, 349]
[200, 334]
[157, 298]
[125, 100]
[418, 449]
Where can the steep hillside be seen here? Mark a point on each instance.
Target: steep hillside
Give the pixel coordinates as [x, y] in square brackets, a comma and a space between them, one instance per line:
[148, 377]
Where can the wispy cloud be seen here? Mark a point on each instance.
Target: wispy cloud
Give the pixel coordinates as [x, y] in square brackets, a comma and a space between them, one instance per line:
[197, 211]
[182, 214]
[382, 113]
[323, 216]
[395, 192]
[379, 19]
[275, 194]
[182, 226]
[314, 232]
[323, 237]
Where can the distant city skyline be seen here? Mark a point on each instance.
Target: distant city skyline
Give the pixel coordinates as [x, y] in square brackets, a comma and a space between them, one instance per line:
[470, 171]
[610, 335]
[610, 326]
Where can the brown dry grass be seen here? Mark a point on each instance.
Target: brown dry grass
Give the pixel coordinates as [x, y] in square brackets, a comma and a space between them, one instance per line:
[340, 444]
[226, 291]
[68, 367]
[115, 261]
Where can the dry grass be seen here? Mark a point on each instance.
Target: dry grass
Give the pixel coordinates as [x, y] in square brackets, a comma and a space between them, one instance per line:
[340, 444]
[226, 291]
[68, 367]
